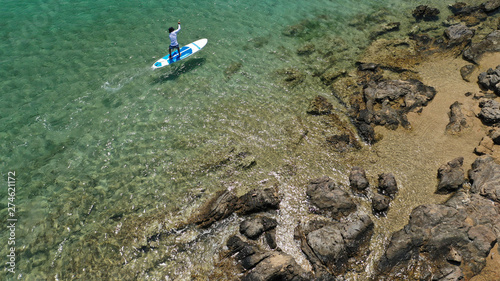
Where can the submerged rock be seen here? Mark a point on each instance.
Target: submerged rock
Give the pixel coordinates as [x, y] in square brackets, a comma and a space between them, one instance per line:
[458, 122]
[343, 142]
[225, 203]
[425, 12]
[221, 206]
[320, 106]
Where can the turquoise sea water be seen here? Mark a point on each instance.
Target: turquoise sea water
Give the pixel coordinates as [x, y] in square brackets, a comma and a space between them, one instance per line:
[107, 151]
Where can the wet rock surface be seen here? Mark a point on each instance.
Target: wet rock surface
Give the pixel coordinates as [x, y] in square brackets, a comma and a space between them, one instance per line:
[225, 203]
[358, 180]
[386, 103]
[261, 264]
[450, 240]
[333, 243]
[491, 43]
[380, 204]
[329, 198]
[387, 184]
[252, 228]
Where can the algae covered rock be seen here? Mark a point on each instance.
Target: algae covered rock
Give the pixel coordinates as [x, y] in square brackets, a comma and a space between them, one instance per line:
[424, 12]
[320, 106]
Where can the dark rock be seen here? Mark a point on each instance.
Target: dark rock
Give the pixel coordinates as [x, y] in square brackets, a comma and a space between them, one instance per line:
[458, 122]
[458, 34]
[320, 106]
[278, 266]
[494, 134]
[461, 8]
[425, 12]
[270, 237]
[264, 265]
[219, 207]
[258, 200]
[387, 102]
[380, 204]
[358, 180]
[491, 43]
[485, 178]
[464, 223]
[490, 80]
[329, 198]
[336, 242]
[343, 142]
[224, 203]
[366, 132]
[254, 227]
[451, 176]
[490, 111]
[387, 184]
[466, 71]
[491, 5]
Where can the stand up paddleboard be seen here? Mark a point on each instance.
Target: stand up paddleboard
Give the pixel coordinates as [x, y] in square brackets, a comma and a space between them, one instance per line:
[186, 51]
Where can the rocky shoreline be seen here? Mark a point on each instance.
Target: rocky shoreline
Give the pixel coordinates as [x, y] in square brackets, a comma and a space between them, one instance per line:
[447, 241]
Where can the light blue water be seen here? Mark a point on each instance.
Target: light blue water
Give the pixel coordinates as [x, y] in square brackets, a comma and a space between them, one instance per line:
[107, 151]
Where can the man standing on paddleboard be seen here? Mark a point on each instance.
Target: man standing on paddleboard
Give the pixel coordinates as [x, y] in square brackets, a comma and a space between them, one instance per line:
[173, 40]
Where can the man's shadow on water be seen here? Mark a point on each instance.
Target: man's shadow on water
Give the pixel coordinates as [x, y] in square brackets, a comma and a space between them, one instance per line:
[178, 70]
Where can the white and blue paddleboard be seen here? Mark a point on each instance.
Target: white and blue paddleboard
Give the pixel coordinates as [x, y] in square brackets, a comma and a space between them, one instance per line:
[186, 51]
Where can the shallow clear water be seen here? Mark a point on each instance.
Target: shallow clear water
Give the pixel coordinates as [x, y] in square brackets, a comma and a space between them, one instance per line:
[107, 151]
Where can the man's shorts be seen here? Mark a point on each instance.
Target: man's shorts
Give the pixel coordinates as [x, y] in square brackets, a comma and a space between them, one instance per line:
[173, 47]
